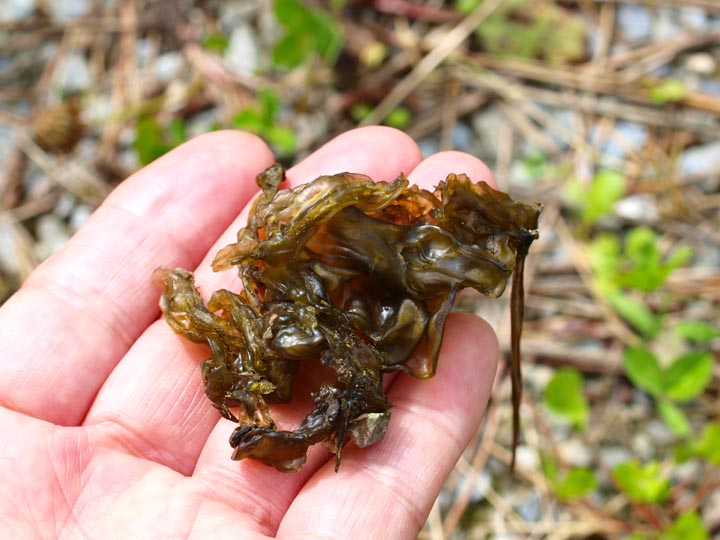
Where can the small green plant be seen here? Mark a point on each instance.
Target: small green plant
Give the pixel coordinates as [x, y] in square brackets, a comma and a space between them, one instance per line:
[596, 199]
[575, 484]
[564, 397]
[638, 266]
[531, 29]
[667, 91]
[309, 31]
[683, 380]
[152, 141]
[216, 43]
[687, 526]
[261, 119]
[642, 483]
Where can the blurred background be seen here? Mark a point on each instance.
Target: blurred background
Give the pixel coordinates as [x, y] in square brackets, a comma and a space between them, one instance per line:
[608, 112]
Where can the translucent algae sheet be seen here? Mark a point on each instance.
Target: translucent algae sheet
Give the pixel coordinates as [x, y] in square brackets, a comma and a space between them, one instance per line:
[357, 275]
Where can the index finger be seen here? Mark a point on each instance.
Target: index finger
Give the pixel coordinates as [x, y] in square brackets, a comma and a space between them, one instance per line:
[79, 312]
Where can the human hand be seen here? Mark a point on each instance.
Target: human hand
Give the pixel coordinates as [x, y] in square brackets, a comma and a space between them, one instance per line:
[105, 431]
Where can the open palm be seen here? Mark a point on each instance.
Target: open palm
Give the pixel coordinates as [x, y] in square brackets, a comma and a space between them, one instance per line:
[104, 428]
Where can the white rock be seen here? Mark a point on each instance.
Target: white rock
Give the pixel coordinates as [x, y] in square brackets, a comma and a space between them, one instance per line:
[612, 456]
[241, 55]
[638, 208]
[703, 160]
[702, 63]
[67, 10]
[168, 65]
[52, 234]
[15, 10]
[575, 453]
[80, 215]
[73, 74]
[634, 20]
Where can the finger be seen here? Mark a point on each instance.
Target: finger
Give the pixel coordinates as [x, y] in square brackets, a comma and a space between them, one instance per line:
[386, 490]
[78, 314]
[153, 402]
[436, 167]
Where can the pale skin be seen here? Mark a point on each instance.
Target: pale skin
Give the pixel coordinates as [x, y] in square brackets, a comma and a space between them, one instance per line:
[104, 428]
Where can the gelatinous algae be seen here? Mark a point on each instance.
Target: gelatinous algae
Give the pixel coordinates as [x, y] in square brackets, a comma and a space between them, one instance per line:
[358, 274]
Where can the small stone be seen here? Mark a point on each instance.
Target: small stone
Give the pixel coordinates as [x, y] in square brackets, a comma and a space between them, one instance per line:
[530, 509]
[168, 65]
[612, 456]
[52, 234]
[73, 74]
[241, 55]
[702, 160]
[643, 446]
[710, 510]
[702, 63]
[67, 10]
[634, 21]
[575, 453]
[15, 10]
[527, 458]
[79, 216]
[638, 208]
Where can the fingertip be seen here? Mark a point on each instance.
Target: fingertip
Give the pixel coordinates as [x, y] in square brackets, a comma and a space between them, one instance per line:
[436, 167]
[380, 152]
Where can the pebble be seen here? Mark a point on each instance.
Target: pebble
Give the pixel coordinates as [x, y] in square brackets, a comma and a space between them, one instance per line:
[659, 432]
[73, 74]
[241, 55]
[79, 216]
[52, 234]
[530, 509]
[15, 10]
[638, 208]
[612, 456]
[575, 453]
[66, 10]
[643, 446]
[702, 63]
[710, 510]
[701, 160]
[634, 21]
[168, 65]
[630, 134]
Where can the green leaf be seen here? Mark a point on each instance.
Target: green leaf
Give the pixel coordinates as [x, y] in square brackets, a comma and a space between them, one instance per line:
[282, 138]
[697, 331]
[577, 483]
[290, 51]
[673, 416]
[177, 132]
[269, 106]
[216, 42]
[564, 396]
[708, 446]
[687, 526]
[635, 312]
[250, 120]
[308, 31]
[688, 375]
[359, 111]
[149, 143]
[668, 91]
[646, 270]
[642, 483]
[466, 6]
[400, 117]
[606, 189]
[643, 369]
